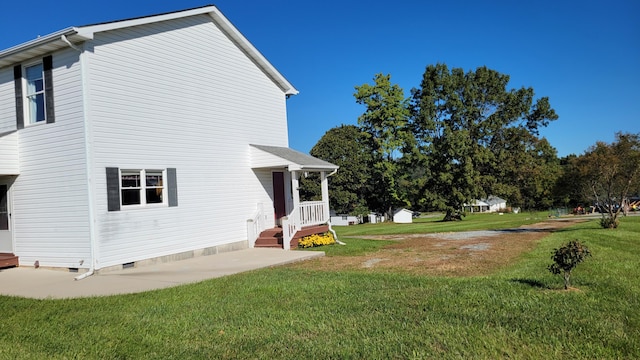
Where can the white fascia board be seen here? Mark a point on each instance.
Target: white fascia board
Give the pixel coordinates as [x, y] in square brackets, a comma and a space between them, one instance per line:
[251, 51]
[37, 41]
[313, 168]
[40, 45]
[90, 30]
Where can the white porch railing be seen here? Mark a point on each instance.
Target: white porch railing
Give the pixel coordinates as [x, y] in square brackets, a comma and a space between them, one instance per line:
[312, 213]
[289, 230]
[308, 213]
[256, 224]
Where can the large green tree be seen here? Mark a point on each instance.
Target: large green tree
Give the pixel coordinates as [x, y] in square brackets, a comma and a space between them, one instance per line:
[456, 116]
[385, 121]
[568, 190]
[610, 173]
[525, 167]
[348, 147]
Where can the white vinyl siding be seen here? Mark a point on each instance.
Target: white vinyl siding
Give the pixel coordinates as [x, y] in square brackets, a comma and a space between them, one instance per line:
[179, 94]
[9, 159]
[50, 206]
[7, 101]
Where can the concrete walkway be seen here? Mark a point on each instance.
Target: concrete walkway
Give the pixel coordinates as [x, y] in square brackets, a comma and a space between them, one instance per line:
[56, 284]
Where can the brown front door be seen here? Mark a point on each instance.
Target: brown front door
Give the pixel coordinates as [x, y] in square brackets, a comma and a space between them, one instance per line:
[279, 206]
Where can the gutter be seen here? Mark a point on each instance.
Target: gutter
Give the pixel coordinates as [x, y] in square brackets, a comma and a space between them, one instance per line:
[87, 146]
[39, 41]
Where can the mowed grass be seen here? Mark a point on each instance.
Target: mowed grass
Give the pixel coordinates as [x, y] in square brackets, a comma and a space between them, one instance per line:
[290, 313]
[434, 223]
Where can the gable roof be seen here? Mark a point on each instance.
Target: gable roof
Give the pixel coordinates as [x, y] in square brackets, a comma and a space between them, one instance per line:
[77, 34]
[476, 202]
[494, 200]
[272, 156]
[397, 211]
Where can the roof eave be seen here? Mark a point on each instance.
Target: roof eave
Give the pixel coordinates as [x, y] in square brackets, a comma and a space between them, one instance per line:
[225, 25]
[52, 42]
[252, 52]
[39, 46]
[302, 167]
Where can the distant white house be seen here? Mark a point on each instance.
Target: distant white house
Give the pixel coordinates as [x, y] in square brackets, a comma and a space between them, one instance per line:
[157, 137]
[344, 220]
[490, 204]
[403, 216]
[375, 218]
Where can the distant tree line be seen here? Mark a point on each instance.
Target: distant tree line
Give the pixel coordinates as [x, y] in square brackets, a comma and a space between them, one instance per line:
[461, 136]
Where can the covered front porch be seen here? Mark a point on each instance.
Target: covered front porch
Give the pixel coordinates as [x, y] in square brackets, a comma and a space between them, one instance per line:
[292, 218]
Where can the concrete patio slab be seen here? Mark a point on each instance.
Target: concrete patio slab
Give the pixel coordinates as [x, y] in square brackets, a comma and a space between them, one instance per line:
[57, 284]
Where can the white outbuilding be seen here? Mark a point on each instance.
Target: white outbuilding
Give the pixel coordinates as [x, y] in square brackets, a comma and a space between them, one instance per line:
[403, 216]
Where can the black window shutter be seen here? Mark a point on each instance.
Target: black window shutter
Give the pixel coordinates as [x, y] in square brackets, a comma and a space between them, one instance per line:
[47, 66]
[113, 189]
[172, 186]
[17, 79]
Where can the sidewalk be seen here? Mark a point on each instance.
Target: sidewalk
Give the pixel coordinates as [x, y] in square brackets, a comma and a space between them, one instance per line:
[56, 284]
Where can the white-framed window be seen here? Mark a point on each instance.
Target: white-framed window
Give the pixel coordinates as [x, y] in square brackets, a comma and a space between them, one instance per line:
[142, 187]
[34, 93]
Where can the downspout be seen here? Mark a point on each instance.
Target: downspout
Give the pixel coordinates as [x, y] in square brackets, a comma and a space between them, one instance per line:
[92, 235]
[335, 236]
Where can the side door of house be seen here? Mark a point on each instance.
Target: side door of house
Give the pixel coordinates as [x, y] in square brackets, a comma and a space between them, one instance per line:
[279, 201]
[6, 240]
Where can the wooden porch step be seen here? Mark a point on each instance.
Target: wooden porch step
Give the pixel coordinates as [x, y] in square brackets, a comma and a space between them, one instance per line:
[8, 260]
[310, 230]
[272, 238]
[275, 232]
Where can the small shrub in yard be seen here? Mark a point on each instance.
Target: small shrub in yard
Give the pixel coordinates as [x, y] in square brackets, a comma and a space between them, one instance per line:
[316, 240]
[608, 222]
[566, 258]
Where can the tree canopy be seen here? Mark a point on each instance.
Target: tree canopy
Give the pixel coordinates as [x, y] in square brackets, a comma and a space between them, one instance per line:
[457, 119]
[609, 173]
[348, 147]
[385, 121]
[462, 136]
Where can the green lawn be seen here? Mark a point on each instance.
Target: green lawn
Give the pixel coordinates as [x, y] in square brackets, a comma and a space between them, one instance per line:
[290, 313]
[435, 224]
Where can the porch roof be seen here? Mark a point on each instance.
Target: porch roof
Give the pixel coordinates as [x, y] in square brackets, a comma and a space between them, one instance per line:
[477, 203]
[266, 156]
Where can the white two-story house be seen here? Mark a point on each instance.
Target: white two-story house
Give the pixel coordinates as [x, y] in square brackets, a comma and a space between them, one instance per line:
[159, 137]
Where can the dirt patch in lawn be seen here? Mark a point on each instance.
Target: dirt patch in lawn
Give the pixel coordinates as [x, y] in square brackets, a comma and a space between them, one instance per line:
[446, 254]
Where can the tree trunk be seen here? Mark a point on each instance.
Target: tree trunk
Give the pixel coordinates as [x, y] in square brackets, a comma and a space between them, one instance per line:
[566, 280]
[452, 216]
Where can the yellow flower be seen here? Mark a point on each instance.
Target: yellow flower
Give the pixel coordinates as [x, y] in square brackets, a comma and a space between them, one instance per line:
[316, 240]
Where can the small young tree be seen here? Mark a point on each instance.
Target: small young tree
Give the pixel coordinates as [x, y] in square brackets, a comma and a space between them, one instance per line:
[567, 258]
[610, 173]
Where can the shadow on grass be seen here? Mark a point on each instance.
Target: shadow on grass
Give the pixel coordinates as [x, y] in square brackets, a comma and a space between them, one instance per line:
[532, 283]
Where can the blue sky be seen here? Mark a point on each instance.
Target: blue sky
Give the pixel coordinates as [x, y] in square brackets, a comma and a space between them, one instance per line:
[583, 55]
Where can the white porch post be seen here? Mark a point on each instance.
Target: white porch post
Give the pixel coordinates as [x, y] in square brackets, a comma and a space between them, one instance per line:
[324, 185]
[291, 224]
[295, 184]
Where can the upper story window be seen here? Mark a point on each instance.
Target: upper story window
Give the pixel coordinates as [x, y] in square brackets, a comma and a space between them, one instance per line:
[34, 94]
